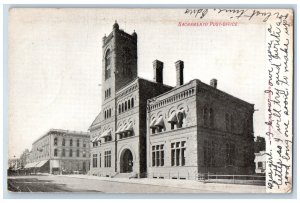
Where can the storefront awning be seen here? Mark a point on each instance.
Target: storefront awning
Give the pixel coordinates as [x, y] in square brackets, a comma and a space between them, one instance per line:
[106, 133]
[173, 118]
[41, 163]
[152, 124]
[129, 127]
[95, 138]
[31, 165]
[121, 129]
[159, 122]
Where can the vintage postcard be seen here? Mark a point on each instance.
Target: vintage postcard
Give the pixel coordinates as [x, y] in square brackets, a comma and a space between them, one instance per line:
[150, 100]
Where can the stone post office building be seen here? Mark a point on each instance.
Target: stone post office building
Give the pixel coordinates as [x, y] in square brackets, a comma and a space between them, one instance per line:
[147, 128]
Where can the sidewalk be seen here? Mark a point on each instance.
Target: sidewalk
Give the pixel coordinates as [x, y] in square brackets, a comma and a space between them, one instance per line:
[189, 184]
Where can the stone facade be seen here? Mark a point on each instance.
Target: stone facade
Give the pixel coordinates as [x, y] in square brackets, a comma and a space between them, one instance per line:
[214, 131]
[61, 151]
[149, 128]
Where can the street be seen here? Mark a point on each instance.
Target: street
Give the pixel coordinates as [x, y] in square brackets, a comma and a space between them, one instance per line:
[77, 183]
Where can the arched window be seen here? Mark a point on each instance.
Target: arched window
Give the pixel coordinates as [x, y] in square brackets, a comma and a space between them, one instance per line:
[107, 64]
[205, 115]
[180, 119]
[129, 104]
[55, 141]
[119, 108]
[211, 117]
[125, 105]
[109, 112]
[227, 121]
[104, 114]
[231, 123]
[132, 102]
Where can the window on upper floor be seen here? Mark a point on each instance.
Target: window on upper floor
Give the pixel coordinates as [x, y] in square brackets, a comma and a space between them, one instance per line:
[211, 117]
[205, 116]
[63, 153]
[77, 153]
[132, 102]
[55, 141]
[71, 142]
[55, 152]
[70, 153]
[107, 64]
[78, 142]
[63, 142]
[180, 119]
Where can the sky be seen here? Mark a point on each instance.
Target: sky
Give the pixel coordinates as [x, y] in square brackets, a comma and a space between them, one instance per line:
[55, 56]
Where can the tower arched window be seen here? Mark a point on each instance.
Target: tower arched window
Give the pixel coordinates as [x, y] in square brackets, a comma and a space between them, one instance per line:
[119, 108]
[129, 104]
[132, 102]
[107, 64]
[211, 117]
[123, 107]
[126, 106]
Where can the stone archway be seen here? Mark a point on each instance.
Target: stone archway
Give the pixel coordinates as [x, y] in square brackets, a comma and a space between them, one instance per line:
[126, 161]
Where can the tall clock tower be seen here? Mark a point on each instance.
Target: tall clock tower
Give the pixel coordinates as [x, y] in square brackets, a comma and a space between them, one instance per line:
[119, 62]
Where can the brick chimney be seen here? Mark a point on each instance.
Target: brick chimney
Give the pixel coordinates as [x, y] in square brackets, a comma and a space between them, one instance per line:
[158, 71]
[213, 83]
[179, 72]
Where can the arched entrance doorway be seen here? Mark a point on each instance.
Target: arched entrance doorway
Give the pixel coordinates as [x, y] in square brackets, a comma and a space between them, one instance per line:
[126, 162]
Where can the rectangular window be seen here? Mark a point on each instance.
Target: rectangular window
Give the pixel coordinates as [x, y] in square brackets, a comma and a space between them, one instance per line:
[153, 130]
[158, 155]
[259, 164]
[63, 153]
[78, 143]
[77, 153]
[94, 160]
[100, 160]
[84, 154]
[178, 153]
[153, 155]
[107, 159]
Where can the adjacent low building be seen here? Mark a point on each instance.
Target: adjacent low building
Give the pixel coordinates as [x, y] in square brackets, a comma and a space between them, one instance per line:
[60, 151]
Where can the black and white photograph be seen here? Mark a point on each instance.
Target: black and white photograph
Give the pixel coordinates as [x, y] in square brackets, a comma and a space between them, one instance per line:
[150, 100]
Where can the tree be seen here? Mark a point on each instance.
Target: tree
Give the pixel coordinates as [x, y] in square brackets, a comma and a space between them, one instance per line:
[24, 158]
